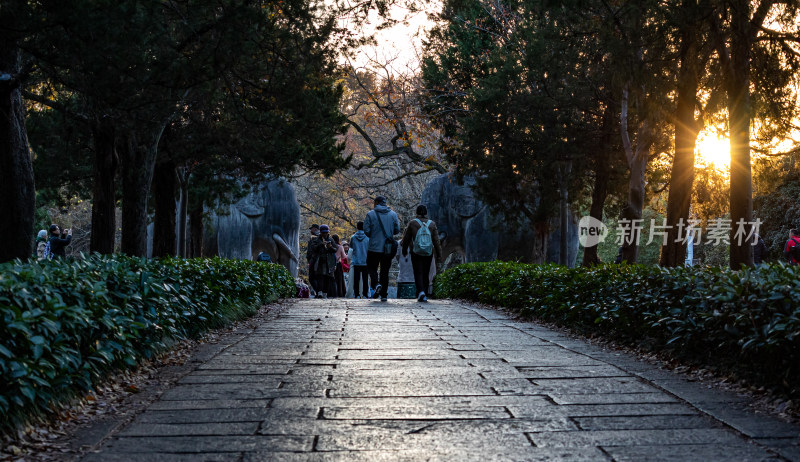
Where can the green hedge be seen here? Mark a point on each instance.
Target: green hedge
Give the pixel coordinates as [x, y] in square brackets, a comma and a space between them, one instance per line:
[67, 324]
[746, 322]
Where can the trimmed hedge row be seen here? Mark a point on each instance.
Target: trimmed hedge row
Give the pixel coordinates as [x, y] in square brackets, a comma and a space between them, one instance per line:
[746, 322]
[67, 324]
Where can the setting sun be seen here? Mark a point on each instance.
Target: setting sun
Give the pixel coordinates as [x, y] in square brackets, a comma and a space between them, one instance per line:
[712, 149]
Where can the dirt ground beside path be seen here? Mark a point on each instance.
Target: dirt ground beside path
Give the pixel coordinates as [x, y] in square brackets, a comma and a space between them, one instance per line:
[88, 421]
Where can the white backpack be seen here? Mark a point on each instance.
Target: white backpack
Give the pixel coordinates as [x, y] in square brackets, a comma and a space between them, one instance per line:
[423, 243]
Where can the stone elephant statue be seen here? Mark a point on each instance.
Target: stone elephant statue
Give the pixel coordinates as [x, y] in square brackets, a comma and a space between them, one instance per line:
[266, 220]
[467, 227]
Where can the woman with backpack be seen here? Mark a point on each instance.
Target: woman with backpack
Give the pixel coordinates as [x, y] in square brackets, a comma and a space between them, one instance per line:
[41, 244]
[422, 237]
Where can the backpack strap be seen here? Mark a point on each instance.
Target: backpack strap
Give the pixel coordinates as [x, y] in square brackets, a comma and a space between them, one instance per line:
[380, 224]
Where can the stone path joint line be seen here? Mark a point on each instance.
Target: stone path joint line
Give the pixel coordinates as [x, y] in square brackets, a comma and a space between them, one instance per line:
[362, 380]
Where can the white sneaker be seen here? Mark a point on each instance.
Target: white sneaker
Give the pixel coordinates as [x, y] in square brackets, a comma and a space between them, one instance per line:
[421, 297]
[377, 293]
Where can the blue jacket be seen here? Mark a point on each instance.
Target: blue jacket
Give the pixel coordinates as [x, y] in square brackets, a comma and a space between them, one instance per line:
[380, 215]
[359, 242]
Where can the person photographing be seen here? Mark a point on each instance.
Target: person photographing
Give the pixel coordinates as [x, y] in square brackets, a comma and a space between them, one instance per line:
[58, 241]
[323, 251]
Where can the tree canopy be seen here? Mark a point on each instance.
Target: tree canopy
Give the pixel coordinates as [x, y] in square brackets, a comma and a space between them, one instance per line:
[245, 88]
[529, 90]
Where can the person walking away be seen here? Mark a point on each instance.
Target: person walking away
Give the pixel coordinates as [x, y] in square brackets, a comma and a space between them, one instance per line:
[405, 274]
[58, 242]
[359, 244]
[422, 238]
[312, 277]
[380, 226]
[338, 275]
[791, 251]
[347, 266]
[323, 252]
[41, 244]
[759, 251]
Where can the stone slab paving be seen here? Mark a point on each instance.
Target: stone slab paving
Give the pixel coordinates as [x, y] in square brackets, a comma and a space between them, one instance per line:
[327, 380]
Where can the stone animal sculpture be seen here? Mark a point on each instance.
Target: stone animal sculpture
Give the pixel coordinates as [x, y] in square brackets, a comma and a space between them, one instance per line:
[466, 226]
[266, 220]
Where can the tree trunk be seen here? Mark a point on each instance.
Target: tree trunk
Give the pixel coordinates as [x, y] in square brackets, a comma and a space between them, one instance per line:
[673, 253]
[183, 182]
[633, 209]
[741, 195]
[17, 193]
[196, 231]
[602, 173]
[541, 232]
[104, 189]
[138, 163]
[637, 162]
[164, 183]
[563, 241]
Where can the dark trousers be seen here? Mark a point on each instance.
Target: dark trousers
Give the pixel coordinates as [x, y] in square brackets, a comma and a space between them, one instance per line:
[384, 260]
[338, 277]
[313, 279]
[422, 271]
[327, 285]
[360, 273]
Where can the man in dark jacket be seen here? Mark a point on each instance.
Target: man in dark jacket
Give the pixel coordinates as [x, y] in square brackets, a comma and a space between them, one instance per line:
[759, 251]
[58, 241]
[380, 226]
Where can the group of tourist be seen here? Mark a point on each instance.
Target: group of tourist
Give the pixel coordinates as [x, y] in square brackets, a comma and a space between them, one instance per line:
[369, 253]
[52, 244]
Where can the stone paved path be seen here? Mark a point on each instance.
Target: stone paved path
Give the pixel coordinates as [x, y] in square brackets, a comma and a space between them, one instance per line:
[360, 380]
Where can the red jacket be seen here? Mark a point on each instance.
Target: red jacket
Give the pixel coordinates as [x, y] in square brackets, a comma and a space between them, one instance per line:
[787, 250]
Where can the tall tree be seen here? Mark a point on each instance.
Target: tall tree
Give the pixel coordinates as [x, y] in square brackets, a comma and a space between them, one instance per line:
[640, 60]
[740, 35]
[104, 192]
[693, 53]
[268, 67]
[17, 195]
[603, 168]
[164, 221]
[508, 95]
